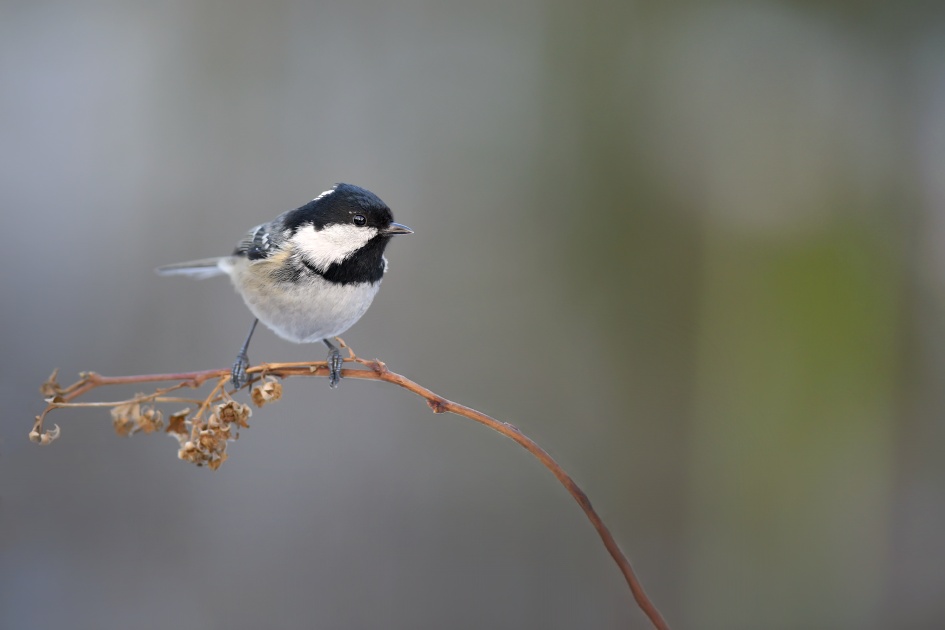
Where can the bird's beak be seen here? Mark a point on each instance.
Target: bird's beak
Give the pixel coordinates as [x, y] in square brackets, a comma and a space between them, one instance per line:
[397, 228]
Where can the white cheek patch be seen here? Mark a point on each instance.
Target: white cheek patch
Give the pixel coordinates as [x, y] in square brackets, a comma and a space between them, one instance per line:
[331, 244]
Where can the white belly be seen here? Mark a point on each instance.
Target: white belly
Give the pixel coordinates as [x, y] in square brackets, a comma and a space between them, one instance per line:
[309, 311]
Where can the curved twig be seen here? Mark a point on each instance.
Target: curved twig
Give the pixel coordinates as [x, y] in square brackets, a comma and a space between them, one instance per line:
[58, 397]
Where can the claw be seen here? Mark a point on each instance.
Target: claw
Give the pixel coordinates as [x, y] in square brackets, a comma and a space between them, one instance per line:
[238, 375]
[334, 367]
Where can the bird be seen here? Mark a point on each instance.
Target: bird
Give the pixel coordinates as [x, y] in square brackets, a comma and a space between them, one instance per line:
[310, 273]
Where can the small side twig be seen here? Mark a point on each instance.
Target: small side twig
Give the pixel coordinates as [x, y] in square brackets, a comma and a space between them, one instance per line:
[204, 441]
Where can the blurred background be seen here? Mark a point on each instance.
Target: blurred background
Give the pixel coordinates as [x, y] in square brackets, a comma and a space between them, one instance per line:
[694, 249]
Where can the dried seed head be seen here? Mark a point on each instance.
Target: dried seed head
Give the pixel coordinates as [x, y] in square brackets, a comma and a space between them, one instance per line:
[217, 461]
[269, 391]
[51, 387]
[190, 453]
[207, 440]
[205, 443]
[150, 420]
[234, 412]
[177, 423]
[125, 418]
[45, 438]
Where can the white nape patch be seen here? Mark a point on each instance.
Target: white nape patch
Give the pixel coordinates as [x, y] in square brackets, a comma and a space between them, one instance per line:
[332, 244]
[324, 194]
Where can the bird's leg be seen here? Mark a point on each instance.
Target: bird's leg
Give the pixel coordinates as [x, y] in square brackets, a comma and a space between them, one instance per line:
[334, 364]
[238, 374]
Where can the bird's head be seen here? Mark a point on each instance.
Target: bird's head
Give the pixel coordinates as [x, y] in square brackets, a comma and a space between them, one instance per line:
[339, 224]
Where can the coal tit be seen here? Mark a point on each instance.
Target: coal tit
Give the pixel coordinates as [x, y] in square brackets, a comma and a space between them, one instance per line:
[310, 273]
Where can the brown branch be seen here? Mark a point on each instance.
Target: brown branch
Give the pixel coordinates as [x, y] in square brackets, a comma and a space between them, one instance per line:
[58, 397]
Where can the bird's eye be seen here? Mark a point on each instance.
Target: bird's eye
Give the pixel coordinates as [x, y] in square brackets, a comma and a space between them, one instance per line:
[359, 220]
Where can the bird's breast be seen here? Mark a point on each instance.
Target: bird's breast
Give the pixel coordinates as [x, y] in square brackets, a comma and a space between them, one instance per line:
[306, 310]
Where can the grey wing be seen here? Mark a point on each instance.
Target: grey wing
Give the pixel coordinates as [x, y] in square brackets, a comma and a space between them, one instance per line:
[260, 242]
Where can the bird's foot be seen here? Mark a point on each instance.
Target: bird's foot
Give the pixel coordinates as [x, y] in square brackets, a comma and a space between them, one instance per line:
[238, 375]
[334, 366]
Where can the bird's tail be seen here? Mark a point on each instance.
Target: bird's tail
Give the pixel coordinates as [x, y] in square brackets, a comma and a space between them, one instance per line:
[199, 269]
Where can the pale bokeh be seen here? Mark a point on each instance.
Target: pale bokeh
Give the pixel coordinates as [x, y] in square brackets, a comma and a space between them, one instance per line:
[695, 251]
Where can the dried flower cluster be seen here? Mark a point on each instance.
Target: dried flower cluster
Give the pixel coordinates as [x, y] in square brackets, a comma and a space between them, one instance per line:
[132, 417]
[201, 441]
[204, 441]
[52, 393]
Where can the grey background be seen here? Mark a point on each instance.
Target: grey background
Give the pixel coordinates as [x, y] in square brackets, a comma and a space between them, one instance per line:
[693, 249]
